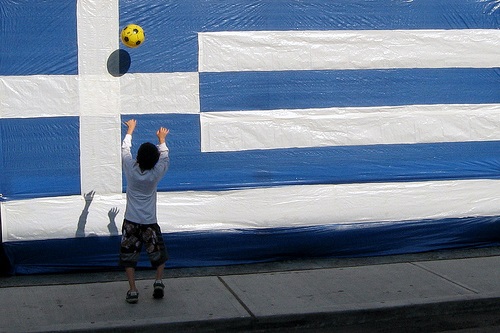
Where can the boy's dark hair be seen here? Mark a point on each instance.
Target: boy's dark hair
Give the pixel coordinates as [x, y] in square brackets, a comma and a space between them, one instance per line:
[147, 156]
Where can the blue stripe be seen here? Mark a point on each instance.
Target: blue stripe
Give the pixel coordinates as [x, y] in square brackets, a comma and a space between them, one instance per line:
[38, 37]
[35, 41]
[171, 26]
[332, 165]
[319, 89]
[40, 157]
[192, 170]
[226, 247]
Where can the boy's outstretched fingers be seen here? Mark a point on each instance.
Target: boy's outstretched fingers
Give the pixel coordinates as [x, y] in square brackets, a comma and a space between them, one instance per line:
[162, 132]
[130, 122]
[131, 125]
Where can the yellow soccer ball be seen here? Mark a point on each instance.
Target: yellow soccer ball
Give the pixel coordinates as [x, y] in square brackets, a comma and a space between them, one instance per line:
[133, 35]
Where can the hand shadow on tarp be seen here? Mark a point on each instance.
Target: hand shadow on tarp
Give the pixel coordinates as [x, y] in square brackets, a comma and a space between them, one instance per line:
[82, 221]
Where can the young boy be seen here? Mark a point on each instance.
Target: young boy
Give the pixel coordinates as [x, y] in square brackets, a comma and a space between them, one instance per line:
[140, 225]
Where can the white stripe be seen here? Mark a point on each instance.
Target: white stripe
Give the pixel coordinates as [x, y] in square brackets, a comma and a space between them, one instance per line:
[100, 125]
[38, 96]
[260, 208]
[160, 93]
[351, 49]
[245, 130]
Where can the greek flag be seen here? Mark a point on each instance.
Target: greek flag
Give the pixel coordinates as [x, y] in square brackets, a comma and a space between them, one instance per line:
[284, 115]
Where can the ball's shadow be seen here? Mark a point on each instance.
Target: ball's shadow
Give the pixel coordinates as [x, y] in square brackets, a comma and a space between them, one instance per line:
[118, 62]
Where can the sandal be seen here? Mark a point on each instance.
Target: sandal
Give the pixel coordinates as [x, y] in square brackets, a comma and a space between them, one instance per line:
[132, 297]
[158, 289]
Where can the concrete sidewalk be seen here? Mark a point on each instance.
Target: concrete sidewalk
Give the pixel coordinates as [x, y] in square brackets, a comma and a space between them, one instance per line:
[412, 293]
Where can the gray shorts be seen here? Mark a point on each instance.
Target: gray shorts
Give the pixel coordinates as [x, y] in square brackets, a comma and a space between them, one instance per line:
[134, 236]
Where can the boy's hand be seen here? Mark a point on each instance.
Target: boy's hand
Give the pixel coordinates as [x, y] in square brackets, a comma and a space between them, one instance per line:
[131, 125]
[162, 134]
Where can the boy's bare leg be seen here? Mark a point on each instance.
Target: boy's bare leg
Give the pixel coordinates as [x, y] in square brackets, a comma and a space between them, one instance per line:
[159, 271]
[158, 285]
[130, 272]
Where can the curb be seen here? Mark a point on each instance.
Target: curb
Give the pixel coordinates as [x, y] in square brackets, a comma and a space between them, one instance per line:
[432, 317]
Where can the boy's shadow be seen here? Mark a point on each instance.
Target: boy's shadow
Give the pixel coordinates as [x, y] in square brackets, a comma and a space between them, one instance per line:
[82, 221]
[113, 230]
